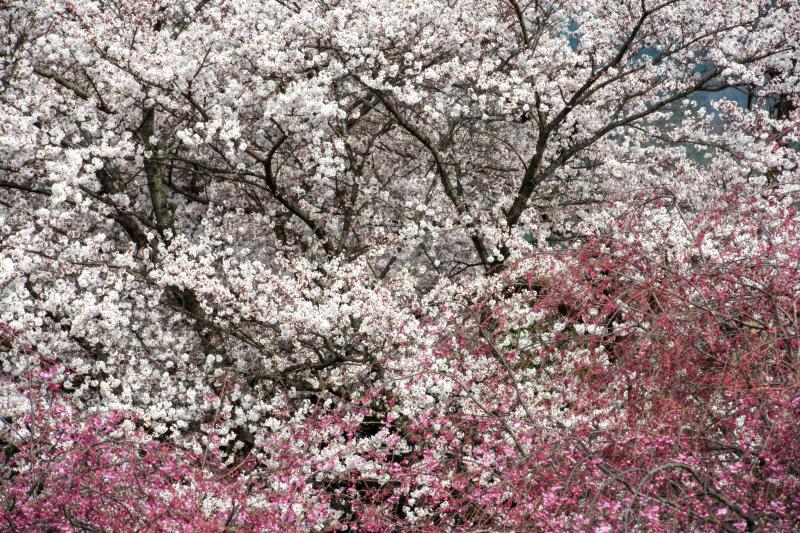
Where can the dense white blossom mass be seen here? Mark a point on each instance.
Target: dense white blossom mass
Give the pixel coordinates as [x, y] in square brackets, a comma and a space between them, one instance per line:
[225, 217]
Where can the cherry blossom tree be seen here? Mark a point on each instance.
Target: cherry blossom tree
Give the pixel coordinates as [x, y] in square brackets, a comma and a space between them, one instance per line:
[463, 265]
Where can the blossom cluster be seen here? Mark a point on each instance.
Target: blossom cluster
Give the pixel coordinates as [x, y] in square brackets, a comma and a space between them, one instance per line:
[399, 264]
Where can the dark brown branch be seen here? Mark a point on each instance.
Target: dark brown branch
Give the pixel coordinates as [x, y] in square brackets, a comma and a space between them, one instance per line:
[79, 91]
